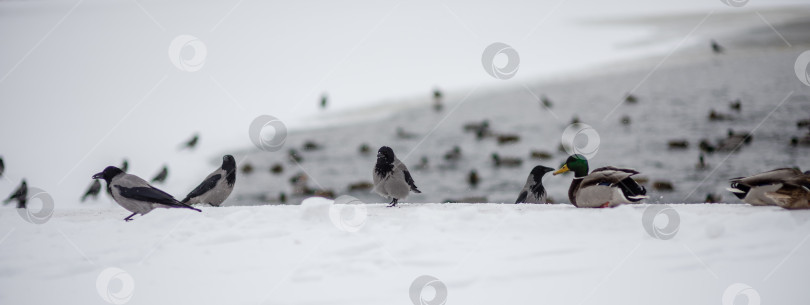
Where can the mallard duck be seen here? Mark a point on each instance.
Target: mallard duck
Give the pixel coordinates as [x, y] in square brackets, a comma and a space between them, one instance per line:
[454, 154]
[678, 144]
[505, 161]
[507, 138]
[716, 48]
[546, 101]
[604, 187]
[786, 187]
[402, 134]
[473, 178]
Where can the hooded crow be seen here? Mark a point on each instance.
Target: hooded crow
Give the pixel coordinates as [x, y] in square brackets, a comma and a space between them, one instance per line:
[191, 143]
[93, 190]
[217, 186]
[135, 194]
[533, 191]
[21, 195]
[161, 176]
[391, 177]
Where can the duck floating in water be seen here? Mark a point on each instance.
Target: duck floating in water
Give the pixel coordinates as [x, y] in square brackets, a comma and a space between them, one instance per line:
[540, 154]
[678, 144]
[473, 179]
[546, 102]
[506, 162]
[604, 187]
[507, 139]
[716, 48]
[454, 154]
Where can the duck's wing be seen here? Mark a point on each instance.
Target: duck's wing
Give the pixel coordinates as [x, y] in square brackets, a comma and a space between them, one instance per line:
[791, 196]
[779, 175]
[608, 176]
[605, 183]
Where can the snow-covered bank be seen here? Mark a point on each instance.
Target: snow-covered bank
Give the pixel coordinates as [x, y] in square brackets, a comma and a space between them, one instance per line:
[483, 253]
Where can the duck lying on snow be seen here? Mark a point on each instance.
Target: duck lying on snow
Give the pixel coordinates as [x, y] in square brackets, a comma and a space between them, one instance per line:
[786, 187]
[604, 187]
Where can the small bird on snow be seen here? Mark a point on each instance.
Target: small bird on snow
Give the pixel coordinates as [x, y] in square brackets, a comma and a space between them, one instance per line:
[391, 178]
[135, 194]
[92, 191]
[533, 191]
[217, 186]
[21, 195]
[191, 143]
[161, 176]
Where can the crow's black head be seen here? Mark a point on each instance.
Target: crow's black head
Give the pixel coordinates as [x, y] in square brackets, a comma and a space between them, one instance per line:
[229, 165]
[385, 161]
[539, 171]
[108, 173]
[385, 155]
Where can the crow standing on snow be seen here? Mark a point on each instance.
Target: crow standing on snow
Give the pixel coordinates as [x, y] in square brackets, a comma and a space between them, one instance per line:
[135, 194]
[533, 191]
[21, 195]
[324, 100]
[2, 167]
[391, 177]
[217, 186]
[93, 190]
[161, 176]
[191, 143]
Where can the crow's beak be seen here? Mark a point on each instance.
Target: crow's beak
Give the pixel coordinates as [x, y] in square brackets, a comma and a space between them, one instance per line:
[379, 155]
[98, 175]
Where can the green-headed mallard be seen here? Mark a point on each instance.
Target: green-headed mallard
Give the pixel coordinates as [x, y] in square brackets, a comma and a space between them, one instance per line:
[604, 187]
[786, 187]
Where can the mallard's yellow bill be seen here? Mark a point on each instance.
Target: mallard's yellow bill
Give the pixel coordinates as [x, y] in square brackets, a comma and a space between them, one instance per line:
[562, 169]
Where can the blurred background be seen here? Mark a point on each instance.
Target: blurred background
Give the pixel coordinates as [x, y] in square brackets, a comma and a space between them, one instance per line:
[86, 84]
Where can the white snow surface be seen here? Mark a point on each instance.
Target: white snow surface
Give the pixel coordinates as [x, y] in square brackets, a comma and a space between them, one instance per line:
[483, 253]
